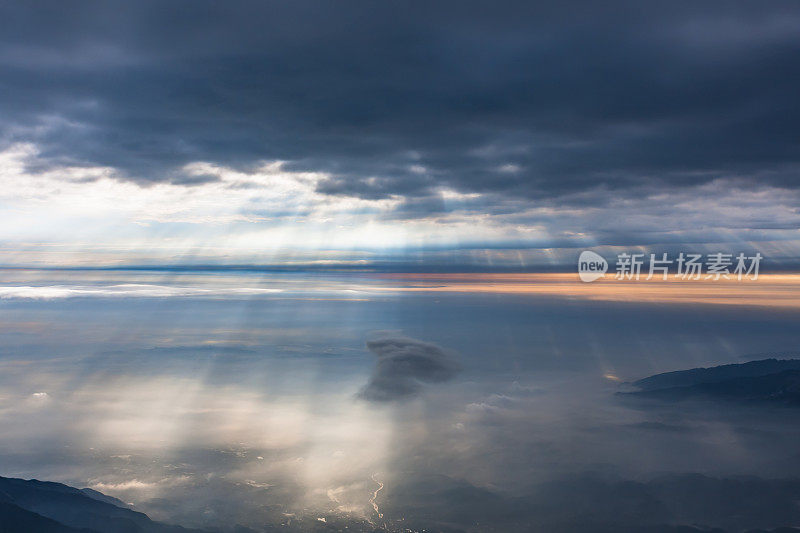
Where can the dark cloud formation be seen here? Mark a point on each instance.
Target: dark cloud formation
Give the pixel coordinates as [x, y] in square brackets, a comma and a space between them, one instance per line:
[518, 99]
[403, 366]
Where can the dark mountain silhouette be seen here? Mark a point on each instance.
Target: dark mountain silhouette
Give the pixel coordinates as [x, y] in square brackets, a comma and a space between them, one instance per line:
[32, 506]
[769, 380]
[97, 495]
[15, 519]
[695, 376]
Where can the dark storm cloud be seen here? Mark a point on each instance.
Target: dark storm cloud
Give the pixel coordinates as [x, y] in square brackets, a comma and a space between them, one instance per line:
[403, 366]
[514, 99]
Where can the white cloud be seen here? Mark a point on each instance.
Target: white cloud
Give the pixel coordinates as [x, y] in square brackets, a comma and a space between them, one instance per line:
[272, 208]
[274, 215]
[126, 291]
[268, 192]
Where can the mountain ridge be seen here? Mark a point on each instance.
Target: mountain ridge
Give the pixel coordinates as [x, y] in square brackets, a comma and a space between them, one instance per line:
[48, 506]
[766, 380]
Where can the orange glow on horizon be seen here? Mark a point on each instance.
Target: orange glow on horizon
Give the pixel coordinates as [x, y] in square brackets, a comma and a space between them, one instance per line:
[769, 290]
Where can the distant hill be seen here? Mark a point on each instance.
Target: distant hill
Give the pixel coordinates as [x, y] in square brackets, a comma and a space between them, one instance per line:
[15, 519]
[770, 380]
[684, 378]
[97, 495]
[32, 506]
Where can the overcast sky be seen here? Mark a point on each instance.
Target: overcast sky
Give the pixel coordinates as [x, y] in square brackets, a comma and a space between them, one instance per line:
[259, 130]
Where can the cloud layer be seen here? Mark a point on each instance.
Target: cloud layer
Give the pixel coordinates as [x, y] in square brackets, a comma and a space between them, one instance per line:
[517, 98]
[404, 365]
[512, 124]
